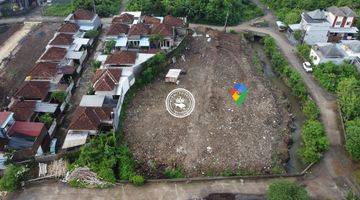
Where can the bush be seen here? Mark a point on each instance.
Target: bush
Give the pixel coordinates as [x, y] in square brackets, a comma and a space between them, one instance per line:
[104, 8]
[137, 180]
[173, 173]
[47, 119]
[126, 163]
[59, 10]
[13, 176]
[348, 91]
[109, 46]
[95, 65]
[314, 141]
[286, 190]
[310, 110]
[298, 35]
[92, 34]
[353, 138]
[151, 69]
[59, 96]
[303, 51]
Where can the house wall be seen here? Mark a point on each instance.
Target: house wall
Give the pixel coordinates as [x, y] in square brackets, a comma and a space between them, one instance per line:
[349, 22]
[330, 17]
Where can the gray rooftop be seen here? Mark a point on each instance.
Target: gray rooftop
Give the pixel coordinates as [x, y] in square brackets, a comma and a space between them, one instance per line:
[342, 11]
[354, 45]
[331, 51]
[317, 14]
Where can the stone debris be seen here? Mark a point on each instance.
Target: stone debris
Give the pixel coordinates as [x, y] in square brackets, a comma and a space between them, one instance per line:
[85, 175]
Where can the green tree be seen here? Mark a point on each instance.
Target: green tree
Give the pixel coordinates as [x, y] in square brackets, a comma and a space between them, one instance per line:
[92, 34]
[348, 92]
[109, 46]
[353, 138]
[137, 180]
[298, 35]
[59, 96]
[311, 110]
[286, 190]
[292, 17]
[156, 39]
[47, 119]
[304, 51]
[12, 177]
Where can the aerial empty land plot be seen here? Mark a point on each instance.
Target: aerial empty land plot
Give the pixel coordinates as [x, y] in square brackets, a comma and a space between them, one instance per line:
[219, 135]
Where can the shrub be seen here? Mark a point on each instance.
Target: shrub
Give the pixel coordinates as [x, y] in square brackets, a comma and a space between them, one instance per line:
[104, 8]
[310, 110]
[95, 64]
[286, 190]
[298, 35]
[137, 180]
[353, 138]
[47, 119]
[173, 173]
[59, 96]
[59, 10]
[348, 91]
[109, 46]
[303, 51]
[314, 141]
[126, 163]
[13, 176]
[92, 34]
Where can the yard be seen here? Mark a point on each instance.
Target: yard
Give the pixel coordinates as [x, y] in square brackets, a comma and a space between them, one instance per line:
[19, 65]
[219, 137]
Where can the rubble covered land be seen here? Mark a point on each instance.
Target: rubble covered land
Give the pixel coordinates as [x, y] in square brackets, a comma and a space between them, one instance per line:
[219, 136]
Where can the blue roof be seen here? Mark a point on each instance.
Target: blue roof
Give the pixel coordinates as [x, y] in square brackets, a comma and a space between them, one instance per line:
[144, 42]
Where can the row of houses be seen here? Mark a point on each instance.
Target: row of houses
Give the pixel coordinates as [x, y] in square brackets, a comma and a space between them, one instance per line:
[332, 33]
[29, 123]
[131, 32]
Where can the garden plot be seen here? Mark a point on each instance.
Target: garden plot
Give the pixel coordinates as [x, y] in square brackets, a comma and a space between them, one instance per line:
[219, 135]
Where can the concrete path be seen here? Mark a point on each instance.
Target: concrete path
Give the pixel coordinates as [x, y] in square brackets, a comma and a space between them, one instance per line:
[11, 43]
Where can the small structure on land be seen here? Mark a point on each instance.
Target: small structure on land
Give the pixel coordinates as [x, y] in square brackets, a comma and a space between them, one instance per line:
[172, 76]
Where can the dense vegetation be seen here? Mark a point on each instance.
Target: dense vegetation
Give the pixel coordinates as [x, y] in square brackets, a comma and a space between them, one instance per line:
[12, 177]
[344, 81]
[286, 190]
[289, 10]
[314, 140]
[202, 11]
[104, 8]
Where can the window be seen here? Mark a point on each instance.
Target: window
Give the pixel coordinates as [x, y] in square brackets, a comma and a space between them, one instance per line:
[338, 23]
[348, 23]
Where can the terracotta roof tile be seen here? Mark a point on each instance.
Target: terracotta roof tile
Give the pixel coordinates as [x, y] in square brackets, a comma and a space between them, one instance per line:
[162, 29]
[125, 18]
[82, 14]
[32, 129]
[89, 118]
[106, 79]
[121, 58]
[139, 29]
[54, 54]
[23, 110]
[118, 29]
[151, 20]
[69, 28]
[44, 70]
[4, 116]
[34, 90]
[63, 39]
[173, 21]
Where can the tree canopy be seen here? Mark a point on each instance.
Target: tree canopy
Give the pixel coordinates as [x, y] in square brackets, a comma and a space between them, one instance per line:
[286, 190]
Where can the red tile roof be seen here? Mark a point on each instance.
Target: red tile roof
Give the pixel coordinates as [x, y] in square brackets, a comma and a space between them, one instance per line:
[125, 18]
[34, 90]
[4, 116]
[163, 30]
[69, 28]
[68, 70]
[121, 58]
[118, 29]
[82, 14]
[173, 21]
[44, 70]
[106, 79]
[139, 29]
[54, 54]
[32, 129]
[89, 118]
[23, 110]
[63, 39]
[151, 20]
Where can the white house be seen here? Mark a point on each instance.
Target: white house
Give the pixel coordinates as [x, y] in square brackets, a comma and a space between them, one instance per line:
[86, 20]
[327, 52]
[333, 25]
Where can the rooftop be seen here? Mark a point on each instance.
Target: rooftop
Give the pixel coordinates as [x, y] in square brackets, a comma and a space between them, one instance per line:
[173, 21]
[92, 101]
[54, 54]
[117, 29]
[331, 51]
[82, 14]
[342, 11]
[44, 70]
[139, 29]
[63, 39]
[69, 28]
[32, 129]
[23, 110]
[125, 18]
[353, 45]
[121, 58]
[34, 90]
[106, 79]
[89, 118]
[4, 116]
[151, 20]
[162, 29]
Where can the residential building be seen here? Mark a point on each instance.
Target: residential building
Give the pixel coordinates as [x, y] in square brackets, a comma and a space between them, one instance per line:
[122, 59]
[86, 20]
[332, 25]
[327, 52]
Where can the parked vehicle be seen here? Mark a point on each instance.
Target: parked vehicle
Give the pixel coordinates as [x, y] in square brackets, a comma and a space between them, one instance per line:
[307, 66]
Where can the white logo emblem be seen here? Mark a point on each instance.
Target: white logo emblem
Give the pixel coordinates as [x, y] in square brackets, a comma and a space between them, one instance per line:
[180, 103]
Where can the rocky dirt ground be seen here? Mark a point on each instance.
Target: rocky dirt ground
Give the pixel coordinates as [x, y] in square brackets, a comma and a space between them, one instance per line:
[19, 65]
[218, 135]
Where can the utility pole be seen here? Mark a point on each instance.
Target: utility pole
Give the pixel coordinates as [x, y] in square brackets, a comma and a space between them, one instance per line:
[94, 6]
[226, 20]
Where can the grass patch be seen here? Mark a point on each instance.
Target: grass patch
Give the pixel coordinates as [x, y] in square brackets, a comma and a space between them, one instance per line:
[59, 10]
[174, 173]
